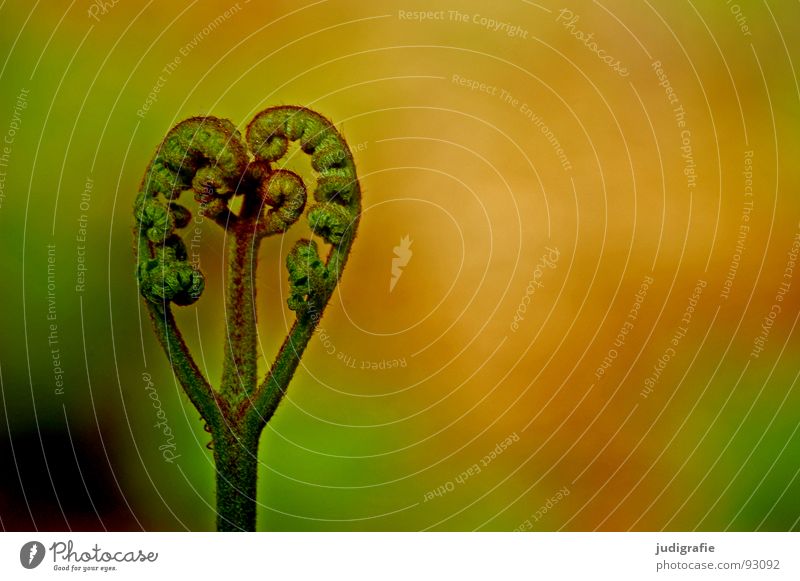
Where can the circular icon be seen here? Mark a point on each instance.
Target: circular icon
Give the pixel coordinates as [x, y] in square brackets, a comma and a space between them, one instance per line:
[31, 554]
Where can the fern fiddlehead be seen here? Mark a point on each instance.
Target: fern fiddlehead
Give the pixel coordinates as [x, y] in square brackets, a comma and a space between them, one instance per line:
[206, 158]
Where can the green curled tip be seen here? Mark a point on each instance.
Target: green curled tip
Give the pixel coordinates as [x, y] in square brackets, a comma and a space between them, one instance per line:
[170, 281]
[309, 279]
[283, 199]
[268, 136]
[331, 222]
[193, 145]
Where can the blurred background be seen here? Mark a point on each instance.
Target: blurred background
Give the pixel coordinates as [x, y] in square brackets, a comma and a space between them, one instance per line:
[594, 322]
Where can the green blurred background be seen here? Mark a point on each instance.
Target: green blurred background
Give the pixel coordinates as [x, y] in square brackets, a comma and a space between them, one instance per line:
[491, 136]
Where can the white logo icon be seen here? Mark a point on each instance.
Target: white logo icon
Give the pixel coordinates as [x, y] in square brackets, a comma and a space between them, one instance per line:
[402, 256]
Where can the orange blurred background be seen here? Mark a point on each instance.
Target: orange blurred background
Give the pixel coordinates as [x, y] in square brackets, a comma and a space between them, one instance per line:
[594, 284]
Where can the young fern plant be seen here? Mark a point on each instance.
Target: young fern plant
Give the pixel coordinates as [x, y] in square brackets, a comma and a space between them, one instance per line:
[206, 157]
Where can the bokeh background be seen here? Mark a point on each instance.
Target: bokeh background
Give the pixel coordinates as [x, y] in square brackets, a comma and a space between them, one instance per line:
[550, 198]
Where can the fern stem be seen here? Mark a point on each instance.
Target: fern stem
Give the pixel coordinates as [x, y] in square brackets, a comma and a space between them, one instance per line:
[240, 367]
[236, 459]
[188, 374]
